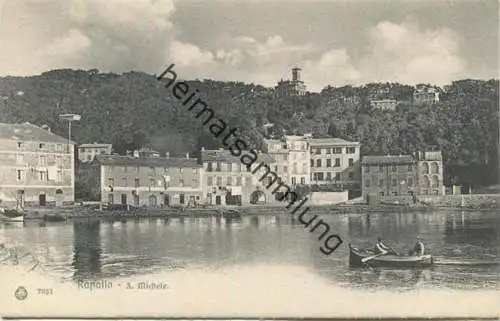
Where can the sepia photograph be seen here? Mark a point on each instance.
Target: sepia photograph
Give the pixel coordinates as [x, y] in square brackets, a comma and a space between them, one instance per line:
[225, 159]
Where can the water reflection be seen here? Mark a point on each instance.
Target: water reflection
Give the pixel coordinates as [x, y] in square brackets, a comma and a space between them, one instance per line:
[142, 246]
[87, 249]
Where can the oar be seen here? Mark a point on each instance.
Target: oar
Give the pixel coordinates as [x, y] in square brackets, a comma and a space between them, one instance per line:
[364, 260]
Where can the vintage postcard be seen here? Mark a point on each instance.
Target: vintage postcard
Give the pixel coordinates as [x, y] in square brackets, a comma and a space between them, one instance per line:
[249, 159]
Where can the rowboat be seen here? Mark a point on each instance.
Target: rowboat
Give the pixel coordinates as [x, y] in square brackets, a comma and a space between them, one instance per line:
[389, 260]
[11, 215]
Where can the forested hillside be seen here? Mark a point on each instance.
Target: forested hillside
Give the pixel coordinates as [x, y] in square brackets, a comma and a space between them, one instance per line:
[133, 109]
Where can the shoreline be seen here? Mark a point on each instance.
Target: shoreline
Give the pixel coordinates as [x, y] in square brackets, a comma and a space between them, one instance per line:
[79, 212]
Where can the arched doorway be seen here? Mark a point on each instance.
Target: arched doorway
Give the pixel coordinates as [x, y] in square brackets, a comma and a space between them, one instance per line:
[59, 197]
[258, 197]
[152, 201]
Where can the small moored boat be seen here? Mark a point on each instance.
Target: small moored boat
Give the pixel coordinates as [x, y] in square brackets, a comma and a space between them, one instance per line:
[11, 215]
[363, 257]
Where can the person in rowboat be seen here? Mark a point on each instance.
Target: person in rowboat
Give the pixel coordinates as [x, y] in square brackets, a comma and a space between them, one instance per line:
[383, 249]
[419, 248]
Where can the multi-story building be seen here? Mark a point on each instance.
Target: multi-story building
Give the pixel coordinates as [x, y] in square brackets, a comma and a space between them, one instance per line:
[36, 166]
[290, 88]
[292, 155]
[145, 152]
[230, 182]
[87, 152]
[402, 175]
[384, 104]
[334, 161]
[146, 181]
[426, 94]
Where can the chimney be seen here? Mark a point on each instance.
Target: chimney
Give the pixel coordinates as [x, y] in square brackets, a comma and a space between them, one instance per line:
[202, 148]
[167, 154]
[187, 155]
[46, 127]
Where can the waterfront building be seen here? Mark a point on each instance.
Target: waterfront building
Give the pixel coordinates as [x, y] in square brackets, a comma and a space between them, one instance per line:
[290, 88]
[36, 166]
[146, 181]
[87, 152]
[335, 161]
[230, 182]
[402, 175]
[384, 104]
[292, 155]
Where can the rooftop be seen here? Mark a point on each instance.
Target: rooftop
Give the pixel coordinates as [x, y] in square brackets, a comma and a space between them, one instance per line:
[226, 156]
[95, 145]
[28, 132]
[118, 160]
[330, 141]
[388, 160]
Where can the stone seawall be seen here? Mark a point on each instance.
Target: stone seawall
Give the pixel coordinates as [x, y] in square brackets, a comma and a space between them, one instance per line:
[468, 200]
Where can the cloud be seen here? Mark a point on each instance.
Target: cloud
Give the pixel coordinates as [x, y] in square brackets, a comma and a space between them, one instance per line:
[404, 53]
[140, 35]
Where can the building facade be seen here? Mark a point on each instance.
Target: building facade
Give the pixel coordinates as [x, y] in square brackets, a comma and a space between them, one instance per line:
[402, 175]
[147, 181]
[36, 166]
[87, 152]
[290, 88]
[292, 155]
[230, 182]
[426, 94]
[334, 161]
[384, 104]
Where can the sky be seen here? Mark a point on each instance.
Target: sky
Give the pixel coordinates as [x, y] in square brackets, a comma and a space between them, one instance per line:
[334, 42]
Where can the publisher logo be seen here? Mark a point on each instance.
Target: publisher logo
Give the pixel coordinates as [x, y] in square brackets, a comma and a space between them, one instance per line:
[21, 293]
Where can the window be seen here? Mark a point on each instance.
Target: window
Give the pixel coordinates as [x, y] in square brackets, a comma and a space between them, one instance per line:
[394, 193]
[302, 180]
[312, 162]
[111, 182]
[89, 157]
[380, 168]
[320, 176]
[394, 168]
[210, 180]
[285, 157]
[410, 181]
[367, 168]
[382, 194]
[410, 168]
[209, 167]
[125, 169]
[351, 150]
[41, 145]
[351, 176]
[367, 182]
[136, 183]
[230, 167]
[19, 145]
[318, 151]
[337, 176]
[152, 182]
[229, 181]
[181, 181]
[394, 182]
[59, 176]
[328, 163]
[124, 182]
[19, 159]
[328, 176]
[19, 174]
[218, 167]
[318, 163]
[337, 162]
[181, 170]
[43, 176]
[337, 150]
[137, 169]
[43, 160]
[350, 162]
[181, 198]
[381, 182]
[219, 181]
[294, 181]
[328, 150]
[285, 169]
[238, 181]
